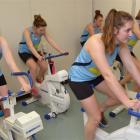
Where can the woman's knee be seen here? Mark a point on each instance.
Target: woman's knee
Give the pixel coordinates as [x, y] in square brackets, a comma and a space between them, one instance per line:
[31, 64]
[94, 119]
[3, 90]
[43, 68]
[33, 67]
[114, 100]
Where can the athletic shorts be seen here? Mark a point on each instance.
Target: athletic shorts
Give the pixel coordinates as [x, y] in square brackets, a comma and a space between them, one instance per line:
[2, 80]
[83, 90]
[27, 56]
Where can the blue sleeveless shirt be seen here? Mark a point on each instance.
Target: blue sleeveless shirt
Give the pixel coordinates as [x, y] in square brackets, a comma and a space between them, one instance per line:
[90, 71]
[85, 35]
[35, 40]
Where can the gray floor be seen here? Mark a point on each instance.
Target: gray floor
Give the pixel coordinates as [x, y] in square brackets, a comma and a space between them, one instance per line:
[69, 126]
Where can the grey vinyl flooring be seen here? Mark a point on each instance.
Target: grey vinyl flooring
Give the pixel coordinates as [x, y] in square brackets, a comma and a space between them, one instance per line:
[69, 126]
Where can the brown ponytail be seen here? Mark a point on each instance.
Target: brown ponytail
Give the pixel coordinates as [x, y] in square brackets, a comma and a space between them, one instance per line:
[115, 19]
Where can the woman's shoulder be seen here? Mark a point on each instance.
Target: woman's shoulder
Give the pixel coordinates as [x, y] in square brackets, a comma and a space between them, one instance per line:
[136, 24]
[96, 37]
[95, 40]
[89, 25]
[136, 21]
[136, 28]
[28, 30]
[2, 39]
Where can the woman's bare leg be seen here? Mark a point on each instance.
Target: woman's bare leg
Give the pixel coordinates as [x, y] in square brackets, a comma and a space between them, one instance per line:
[92, 109]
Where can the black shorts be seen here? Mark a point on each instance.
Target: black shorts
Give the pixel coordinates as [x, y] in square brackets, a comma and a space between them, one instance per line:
[2, 80]
[83, 90]
[27, 56]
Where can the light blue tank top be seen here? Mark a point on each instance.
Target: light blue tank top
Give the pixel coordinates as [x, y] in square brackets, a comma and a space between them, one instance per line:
[0, 59]
[132, 40]
[85, 35]
[35, 40]
[89, 72]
